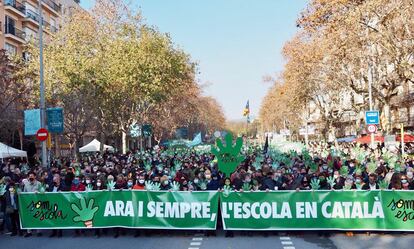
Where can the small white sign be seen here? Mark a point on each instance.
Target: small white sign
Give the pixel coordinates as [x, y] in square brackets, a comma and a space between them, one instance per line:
[372, 128]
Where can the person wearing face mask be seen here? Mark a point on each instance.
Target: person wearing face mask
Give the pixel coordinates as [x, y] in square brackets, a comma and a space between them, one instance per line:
[227, 182]
[410, 180]
[12, 209]
[99, 185]
[305, 183]
[268, 183]
[56, 186]
[165, 183]
[404, 183]
[88, 181]
[207, 175]
[140, 184]
[77, 185]
[196, 181]
[214, 184]
[351, 168]
[32, 185]
[349, 183]
[339, 180]
[359, 182]
[120, 182]
[130, 184]
[278, 180]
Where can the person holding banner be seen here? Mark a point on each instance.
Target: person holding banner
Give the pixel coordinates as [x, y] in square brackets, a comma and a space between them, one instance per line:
[31, 185]
[12, 209]
[56, 187]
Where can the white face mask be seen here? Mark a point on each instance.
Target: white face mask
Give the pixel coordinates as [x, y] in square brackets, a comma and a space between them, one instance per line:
[195, 181]
[141, 181]
[88, 181]
[98, 184]
[410, 175]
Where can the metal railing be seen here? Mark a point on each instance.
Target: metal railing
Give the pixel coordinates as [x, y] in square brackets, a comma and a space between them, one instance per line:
[15, 31]
[53, 5]
[32, 15]
[53, 29]
[15, 4]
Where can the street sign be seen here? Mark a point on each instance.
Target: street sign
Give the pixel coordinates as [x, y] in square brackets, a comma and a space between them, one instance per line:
[217, 134]
[390, 142]
[42, 134]
[372, 128]
[372, 117]
[31, 122]
[181, 133]
[135, 130]
[147, 130]
[311, 130]
[55, 119]
[285, 132]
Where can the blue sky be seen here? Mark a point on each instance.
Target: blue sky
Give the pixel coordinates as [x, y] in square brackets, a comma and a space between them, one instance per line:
[235, 42]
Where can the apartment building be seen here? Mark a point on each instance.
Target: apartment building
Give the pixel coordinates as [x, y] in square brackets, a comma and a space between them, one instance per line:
[20, 20]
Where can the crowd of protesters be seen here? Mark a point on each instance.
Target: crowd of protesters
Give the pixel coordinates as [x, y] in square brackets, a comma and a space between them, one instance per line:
[343, 167]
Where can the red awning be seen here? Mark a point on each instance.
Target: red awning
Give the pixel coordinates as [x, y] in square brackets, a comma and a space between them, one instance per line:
[367, 139]
[407, 138]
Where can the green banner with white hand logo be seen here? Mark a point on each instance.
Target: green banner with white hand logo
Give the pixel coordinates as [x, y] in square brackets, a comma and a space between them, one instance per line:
[318, 210]
[278, 210]
[133, 209]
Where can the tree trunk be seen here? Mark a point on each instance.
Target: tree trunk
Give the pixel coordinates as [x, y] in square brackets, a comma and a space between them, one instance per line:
[102, 141]
[76, 146]
[387, 117]
[21, 138]
[57, 145]
[124, 142]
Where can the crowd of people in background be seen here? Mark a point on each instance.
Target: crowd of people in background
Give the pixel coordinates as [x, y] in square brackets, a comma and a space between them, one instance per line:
[321, 167]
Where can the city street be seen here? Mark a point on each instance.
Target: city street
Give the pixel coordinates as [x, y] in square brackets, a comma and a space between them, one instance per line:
[193, 240]
[182, 124]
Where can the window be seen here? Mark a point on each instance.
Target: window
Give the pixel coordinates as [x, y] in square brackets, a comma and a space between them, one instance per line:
[53, 25]
[31, 8]
[30, 34]
[31, 12]
[10, 25]
[10, 49]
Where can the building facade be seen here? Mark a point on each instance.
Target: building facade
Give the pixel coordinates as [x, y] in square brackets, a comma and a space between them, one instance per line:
[20, 19]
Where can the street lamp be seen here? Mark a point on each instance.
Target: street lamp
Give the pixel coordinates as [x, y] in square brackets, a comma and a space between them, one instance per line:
[370, 98]
[42, 87]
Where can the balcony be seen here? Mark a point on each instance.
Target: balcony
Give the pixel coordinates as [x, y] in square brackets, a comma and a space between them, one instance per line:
[53, 6]
[32, 16]
[14, 33]
[15, 7]
[53, 29]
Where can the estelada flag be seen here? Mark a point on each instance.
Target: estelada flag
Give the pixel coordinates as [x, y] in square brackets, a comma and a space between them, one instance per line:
[246, 110]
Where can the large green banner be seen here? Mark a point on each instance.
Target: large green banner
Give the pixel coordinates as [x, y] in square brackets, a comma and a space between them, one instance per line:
[135, 209]
[279, 210]
[318, 210]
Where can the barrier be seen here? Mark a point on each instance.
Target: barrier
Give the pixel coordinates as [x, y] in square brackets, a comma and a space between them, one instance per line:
[319, 210]
[132, 209]
[275, 210]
